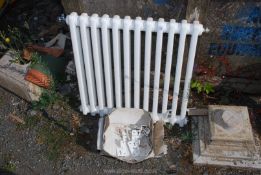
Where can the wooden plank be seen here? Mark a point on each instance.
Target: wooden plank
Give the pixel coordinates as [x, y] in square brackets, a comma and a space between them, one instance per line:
[198, 112]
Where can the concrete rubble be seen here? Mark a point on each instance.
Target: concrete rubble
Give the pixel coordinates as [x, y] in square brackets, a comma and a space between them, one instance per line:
[12, 78]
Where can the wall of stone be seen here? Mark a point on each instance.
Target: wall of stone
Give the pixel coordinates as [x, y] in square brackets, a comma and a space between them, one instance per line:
[145, 8]
[234, 40]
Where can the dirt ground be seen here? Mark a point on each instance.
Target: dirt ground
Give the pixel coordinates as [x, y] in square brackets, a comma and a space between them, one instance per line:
[44, 144]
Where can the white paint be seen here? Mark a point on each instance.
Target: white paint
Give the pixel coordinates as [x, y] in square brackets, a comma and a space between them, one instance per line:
[92, 43]
[194, 16]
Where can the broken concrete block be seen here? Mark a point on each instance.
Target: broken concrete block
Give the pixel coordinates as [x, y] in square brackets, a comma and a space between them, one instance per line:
[225, 138]
[12, 79]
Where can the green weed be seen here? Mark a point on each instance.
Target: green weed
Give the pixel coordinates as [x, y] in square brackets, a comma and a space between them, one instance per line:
[202, 87]
[8, 163]
[186, 137]
[32, 121]
[9, 166]
[47, 98]
[54, 138]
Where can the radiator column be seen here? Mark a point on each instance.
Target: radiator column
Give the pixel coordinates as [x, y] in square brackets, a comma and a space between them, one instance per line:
[78, 59]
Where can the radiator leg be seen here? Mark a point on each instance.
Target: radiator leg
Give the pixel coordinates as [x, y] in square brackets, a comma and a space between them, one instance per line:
[182, 121]
[100, 133]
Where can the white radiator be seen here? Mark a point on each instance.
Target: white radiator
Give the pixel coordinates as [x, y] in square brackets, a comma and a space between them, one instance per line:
[108, 52]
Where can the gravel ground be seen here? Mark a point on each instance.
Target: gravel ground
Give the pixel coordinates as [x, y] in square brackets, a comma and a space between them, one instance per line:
[21, 152]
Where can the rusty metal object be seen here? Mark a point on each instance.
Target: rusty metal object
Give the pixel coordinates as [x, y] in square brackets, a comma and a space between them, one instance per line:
[55, 52]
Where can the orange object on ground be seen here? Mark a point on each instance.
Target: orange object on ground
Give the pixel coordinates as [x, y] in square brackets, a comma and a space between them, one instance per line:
[38, 78]
[55, 52]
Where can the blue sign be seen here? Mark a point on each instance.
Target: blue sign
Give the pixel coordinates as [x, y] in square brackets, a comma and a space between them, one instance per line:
[160, 2]
[241, 40]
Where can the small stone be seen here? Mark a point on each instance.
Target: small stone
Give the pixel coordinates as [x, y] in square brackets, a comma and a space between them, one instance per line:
[172, 169]
[15, 103]
[56, 107]
[32, 113]
[65, 89]
[98, 164]
[205, 173]
[85, 129]
[70, 68]
[68, 77]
